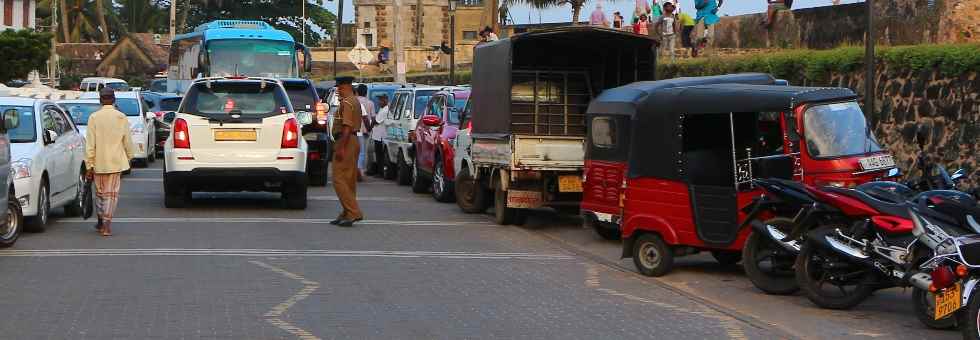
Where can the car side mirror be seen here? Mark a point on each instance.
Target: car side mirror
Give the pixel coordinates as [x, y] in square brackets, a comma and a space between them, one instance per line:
[957, 175]
[432, 121]
[304, 117]
[407, 113]
[50, 136]
[11, 119]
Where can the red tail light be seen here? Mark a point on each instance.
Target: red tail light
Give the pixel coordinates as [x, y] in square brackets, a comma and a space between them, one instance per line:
[182, 136]
[290, 134]
[469, 125]
[942, 277]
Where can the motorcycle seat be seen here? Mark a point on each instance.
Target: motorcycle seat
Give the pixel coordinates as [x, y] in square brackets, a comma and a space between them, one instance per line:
[900, 210]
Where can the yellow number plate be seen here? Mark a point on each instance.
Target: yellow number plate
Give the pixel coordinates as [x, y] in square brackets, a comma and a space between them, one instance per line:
[570, 183]
[234, 135]
[948, 301]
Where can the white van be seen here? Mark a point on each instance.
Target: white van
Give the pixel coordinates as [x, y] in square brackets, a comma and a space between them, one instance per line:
[95, 84]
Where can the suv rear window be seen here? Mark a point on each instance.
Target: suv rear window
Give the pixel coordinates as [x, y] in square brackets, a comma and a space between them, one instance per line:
[248, 98]
[169, 104]
[301, 96]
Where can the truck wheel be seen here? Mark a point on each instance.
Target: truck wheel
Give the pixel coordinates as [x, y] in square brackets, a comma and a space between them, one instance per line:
[10, 230]
[387, 168]
[501, 213]
[652, 256]
[175, 196]
[404, 172]
[442, 189]
[471, 197]
[420, 184]
[295, 197]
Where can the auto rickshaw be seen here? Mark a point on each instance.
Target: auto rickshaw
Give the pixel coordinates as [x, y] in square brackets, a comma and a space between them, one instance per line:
[692, 152]
[605, 166]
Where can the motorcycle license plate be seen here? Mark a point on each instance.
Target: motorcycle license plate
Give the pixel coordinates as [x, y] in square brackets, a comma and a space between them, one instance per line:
[948, 301]
[877, 162]
[570, 183]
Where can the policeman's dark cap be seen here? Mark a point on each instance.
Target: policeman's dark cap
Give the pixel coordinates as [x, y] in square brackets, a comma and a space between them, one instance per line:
[344, 80]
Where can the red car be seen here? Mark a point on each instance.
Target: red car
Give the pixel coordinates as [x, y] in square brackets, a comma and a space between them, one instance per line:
[433, 150]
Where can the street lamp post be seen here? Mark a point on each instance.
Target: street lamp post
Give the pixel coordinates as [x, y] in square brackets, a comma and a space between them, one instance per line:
[452, 41]
[869, 61]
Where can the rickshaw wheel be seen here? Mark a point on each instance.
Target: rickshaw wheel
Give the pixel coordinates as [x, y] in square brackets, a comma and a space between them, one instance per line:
[652, 256]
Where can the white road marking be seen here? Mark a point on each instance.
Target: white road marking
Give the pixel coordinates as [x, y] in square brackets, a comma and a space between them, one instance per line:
[274, 316]
[281, 252]
[147, 170]
[142, 179]
[273, 220]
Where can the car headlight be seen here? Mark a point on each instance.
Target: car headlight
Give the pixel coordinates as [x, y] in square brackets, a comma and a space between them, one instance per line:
[21, 168]
[137, 129]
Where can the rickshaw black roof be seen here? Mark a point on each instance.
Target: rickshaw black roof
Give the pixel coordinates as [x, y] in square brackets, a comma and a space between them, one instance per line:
[660, 122]
[625, 99]
[725, 98]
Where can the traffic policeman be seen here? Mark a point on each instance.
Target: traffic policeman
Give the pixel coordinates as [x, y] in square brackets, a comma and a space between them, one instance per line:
[347, 121]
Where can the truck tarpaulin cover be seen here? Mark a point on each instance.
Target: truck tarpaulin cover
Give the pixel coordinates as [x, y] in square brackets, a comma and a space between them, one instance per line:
[661, 124]
[610, 57]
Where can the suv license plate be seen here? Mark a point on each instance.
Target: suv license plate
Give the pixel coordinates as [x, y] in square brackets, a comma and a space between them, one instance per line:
[877, 162]
[234, 135]
[948, 301]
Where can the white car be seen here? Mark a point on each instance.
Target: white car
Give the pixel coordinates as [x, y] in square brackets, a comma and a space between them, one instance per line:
[48, 160]
[236, 134]
[140, 124]
[96, 84]
[405, 110]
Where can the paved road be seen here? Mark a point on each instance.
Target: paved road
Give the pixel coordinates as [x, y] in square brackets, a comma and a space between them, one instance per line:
[238, 266]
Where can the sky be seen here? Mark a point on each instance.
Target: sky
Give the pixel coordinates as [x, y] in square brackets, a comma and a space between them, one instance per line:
[524, 14]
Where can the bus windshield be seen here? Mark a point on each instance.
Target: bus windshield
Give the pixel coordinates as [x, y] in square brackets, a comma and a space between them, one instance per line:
[252, 57]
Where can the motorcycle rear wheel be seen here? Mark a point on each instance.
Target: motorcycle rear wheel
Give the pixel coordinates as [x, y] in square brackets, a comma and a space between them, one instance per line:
[925, 309]
[777, 276]
[813, 278]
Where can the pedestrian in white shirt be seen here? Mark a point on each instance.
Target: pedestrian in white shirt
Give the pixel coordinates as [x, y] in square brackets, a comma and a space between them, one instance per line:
[668, 30]
[364, 135]
[377, 134]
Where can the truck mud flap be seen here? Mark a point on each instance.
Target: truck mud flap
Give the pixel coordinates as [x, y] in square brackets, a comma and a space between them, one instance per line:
[524, 199]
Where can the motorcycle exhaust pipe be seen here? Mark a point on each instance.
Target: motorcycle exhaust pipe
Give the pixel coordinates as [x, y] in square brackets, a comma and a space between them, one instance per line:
[921, 281]
[777, 236]
[823, 238]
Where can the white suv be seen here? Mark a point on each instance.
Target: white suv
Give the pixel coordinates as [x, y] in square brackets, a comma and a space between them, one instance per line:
[140, 124]
[236, 134]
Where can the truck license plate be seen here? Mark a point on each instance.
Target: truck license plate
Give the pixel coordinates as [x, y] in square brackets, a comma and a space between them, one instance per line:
[524, 199]
[877, 162]
[948, 301]
[570, 183]
[235, 135]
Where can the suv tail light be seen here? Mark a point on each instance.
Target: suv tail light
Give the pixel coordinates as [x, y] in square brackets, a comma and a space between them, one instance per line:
[182, 136]
[290, 134]
[321, 113]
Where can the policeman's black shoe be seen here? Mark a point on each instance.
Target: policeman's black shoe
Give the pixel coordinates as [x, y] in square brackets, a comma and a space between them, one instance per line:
[336, 221]
[346, 223]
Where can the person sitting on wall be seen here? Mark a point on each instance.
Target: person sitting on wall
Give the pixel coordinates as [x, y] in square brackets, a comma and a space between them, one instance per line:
[774, 7]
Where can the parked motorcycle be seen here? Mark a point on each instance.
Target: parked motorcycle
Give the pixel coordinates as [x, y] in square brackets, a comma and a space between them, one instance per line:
[841, 265]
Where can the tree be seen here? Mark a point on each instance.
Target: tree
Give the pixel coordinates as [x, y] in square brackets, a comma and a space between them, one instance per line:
[23, 51]
[543, 4]
[282, 14]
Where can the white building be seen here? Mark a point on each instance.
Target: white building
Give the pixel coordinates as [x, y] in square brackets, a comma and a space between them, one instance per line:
[18, 14]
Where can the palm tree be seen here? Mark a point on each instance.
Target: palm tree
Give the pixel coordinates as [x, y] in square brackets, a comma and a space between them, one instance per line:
[542, 4]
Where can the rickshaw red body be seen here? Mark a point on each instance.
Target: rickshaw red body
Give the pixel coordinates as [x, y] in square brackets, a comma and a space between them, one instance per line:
[690, 205]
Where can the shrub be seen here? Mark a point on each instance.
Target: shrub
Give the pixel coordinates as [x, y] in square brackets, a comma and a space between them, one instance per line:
[23, 51]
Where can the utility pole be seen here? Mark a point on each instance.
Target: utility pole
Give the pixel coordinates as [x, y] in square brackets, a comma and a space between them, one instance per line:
[336, 34]
[303, 24]
[53, 59]
[452, 42]
[398, 46]
[173, 19]
[869, 61]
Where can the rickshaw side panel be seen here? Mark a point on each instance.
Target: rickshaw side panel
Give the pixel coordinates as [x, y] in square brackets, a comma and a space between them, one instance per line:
[603, 186]
[660, 206]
